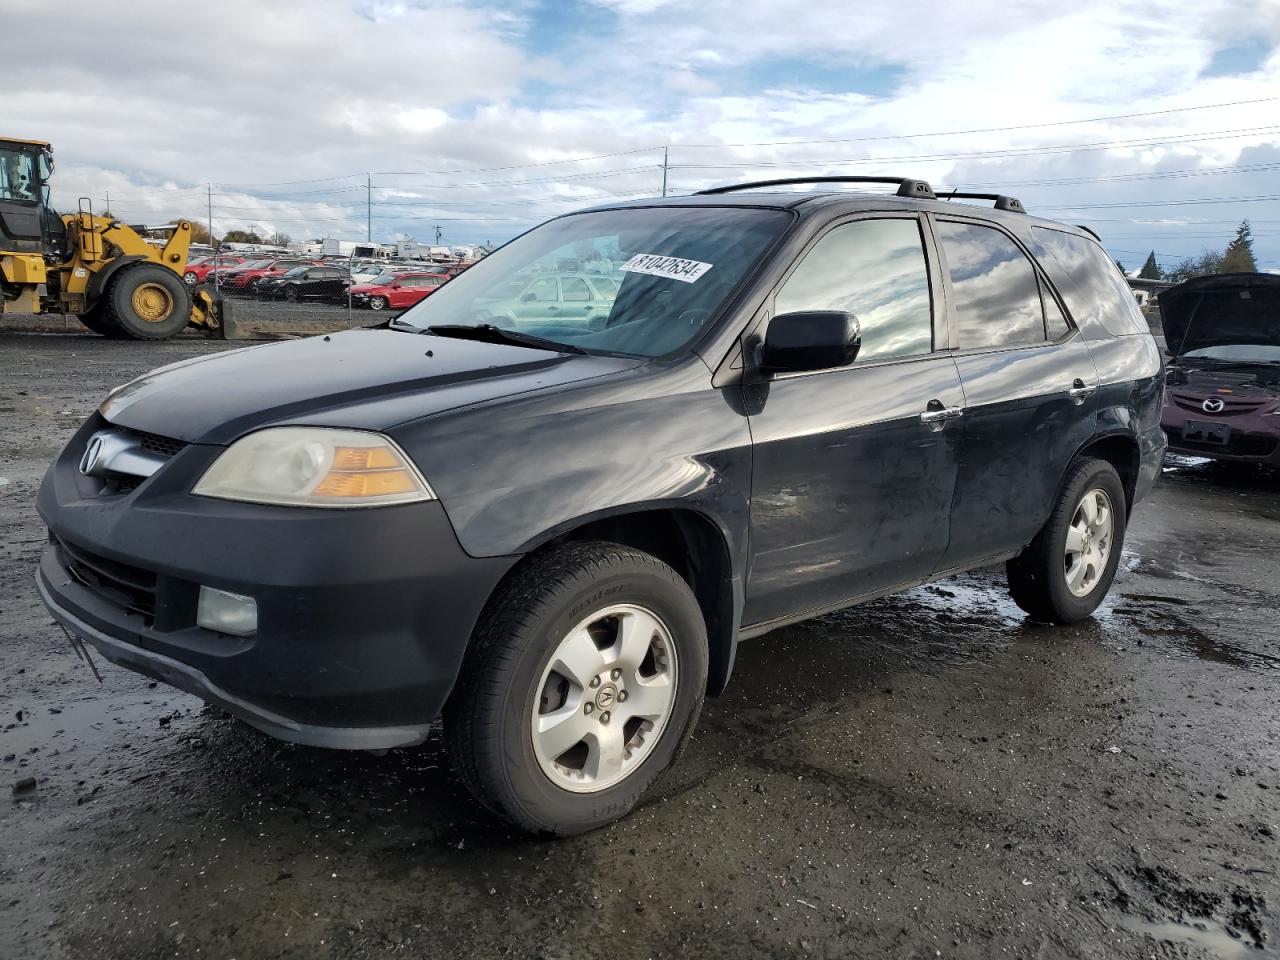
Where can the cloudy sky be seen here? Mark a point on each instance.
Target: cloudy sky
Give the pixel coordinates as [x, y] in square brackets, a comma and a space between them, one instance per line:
[1158, 123]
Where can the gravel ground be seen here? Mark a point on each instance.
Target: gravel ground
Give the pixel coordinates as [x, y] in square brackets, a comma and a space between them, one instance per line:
[929, 775]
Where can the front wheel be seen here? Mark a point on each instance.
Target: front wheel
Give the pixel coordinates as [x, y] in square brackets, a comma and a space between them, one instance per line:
[1068, 568]
[147, 301]
[377, 303]
[582, 684]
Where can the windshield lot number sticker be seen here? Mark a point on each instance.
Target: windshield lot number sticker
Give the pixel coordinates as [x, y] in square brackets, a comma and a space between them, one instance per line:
[673, 268]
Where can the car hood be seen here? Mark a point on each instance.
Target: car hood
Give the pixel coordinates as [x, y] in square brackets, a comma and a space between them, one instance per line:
[363, 379]
[1230, 308]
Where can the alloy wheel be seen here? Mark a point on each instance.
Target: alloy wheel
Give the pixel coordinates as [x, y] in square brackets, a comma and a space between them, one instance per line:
[1089, 539]
[605, 698]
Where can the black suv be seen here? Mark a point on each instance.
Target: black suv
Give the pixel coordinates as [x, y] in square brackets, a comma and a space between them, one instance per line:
[555, 532]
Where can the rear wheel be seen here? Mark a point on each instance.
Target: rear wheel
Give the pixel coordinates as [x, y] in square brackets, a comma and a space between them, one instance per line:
[147, 302]
[98, 320]
[1067, 570]
[291, 294]
[582, 684]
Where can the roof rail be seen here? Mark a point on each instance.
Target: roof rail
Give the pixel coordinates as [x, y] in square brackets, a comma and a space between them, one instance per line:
[1002, 202]
[1090, 231]
[906, 186]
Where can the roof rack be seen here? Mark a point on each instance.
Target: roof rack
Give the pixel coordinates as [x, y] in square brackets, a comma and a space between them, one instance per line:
[1090, 231]
[906, 186]
[1002, 202]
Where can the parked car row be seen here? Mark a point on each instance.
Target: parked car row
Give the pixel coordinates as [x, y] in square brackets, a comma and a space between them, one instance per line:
[376, 285]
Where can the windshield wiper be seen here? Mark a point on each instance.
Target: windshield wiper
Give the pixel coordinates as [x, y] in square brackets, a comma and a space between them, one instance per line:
[489, 333]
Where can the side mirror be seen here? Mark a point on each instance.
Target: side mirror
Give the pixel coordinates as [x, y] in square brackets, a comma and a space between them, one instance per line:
[810, 340]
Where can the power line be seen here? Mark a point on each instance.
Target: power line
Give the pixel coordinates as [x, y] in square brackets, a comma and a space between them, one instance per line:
[956, 133]
[1160, 203]
[1165, 140]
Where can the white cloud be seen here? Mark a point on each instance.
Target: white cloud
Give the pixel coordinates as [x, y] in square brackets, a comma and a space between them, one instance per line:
[151, 100]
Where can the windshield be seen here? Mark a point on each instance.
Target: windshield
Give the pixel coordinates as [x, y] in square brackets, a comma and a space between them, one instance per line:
[1237, 353]
[675, 267]
[18, 174]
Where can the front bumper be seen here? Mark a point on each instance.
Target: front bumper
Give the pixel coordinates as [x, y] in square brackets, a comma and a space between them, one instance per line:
[1254, 437]
[364, 615]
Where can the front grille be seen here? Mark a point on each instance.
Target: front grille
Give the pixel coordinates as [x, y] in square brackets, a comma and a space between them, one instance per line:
[126, 586]
[1230, 405]
[154, 443]
[1240, 445]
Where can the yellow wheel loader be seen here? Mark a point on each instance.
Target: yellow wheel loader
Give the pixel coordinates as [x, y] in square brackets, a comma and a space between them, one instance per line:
[93, 267]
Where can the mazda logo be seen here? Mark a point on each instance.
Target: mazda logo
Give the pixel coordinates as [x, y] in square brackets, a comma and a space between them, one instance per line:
[1213, 405]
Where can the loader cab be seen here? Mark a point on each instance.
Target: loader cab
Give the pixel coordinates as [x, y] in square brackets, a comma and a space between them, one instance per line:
[25, 168]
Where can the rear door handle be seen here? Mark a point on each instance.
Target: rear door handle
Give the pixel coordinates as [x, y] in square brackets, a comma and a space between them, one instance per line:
[1081, 391]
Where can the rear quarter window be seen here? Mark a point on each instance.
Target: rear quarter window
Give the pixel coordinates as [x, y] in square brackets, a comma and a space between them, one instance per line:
[1094, 292]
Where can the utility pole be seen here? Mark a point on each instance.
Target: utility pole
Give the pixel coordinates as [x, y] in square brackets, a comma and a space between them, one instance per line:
[108, 201]
[437, 234]
[208, 195]
[368, 208]
[665, 155]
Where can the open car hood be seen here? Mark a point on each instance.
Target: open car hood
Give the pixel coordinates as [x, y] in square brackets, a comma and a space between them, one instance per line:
[1230, 308]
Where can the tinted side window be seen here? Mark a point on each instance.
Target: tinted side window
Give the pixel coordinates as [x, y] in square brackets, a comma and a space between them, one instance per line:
[996, 293]
[1055, 323]
[575, 288]
[874, 269]
[1088, 280]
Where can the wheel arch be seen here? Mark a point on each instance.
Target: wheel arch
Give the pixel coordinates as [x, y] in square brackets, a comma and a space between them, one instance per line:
[692, 543]
[1122, 451]
[99, 282]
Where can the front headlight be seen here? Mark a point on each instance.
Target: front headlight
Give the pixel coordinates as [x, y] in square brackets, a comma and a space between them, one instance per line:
[314, 467]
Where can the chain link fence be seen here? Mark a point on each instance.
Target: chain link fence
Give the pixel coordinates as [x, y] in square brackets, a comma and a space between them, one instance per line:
[288, 294]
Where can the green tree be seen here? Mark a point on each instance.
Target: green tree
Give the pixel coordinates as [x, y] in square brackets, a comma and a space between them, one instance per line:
[279, 239]
[1120, 267]
[1238, 257]
[1151, 270]
[241, 236]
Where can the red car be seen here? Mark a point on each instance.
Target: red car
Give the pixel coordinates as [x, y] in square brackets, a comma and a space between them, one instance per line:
[242, 279]
[1222, 392]
[198, 270]
[401, 291]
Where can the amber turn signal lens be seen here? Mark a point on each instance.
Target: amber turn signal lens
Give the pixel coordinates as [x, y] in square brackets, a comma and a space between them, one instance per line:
[364, 458]
[379, 483]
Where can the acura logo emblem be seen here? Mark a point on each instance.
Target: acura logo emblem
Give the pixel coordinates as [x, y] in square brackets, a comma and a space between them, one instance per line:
[1213, 405]
[92, 454]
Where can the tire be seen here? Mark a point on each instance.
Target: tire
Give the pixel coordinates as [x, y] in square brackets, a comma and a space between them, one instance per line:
[377, 303]
[1041, 577]
[509, 673]
[159, 293]
[97, 320]
[190, 279]
[290, 294]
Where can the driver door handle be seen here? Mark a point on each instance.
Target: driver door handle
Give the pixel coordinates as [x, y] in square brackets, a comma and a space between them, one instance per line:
[937, 414]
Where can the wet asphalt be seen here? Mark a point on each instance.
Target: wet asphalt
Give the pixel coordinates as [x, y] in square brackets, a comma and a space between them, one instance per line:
[929, 775]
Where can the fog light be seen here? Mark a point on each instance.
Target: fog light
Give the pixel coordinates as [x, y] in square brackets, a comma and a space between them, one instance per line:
[227, 612]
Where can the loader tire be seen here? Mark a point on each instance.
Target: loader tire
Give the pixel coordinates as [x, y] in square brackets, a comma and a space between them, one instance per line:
[97, 320]
[148, 302]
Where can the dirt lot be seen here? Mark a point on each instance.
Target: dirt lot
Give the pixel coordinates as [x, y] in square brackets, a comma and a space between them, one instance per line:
[926, 776]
